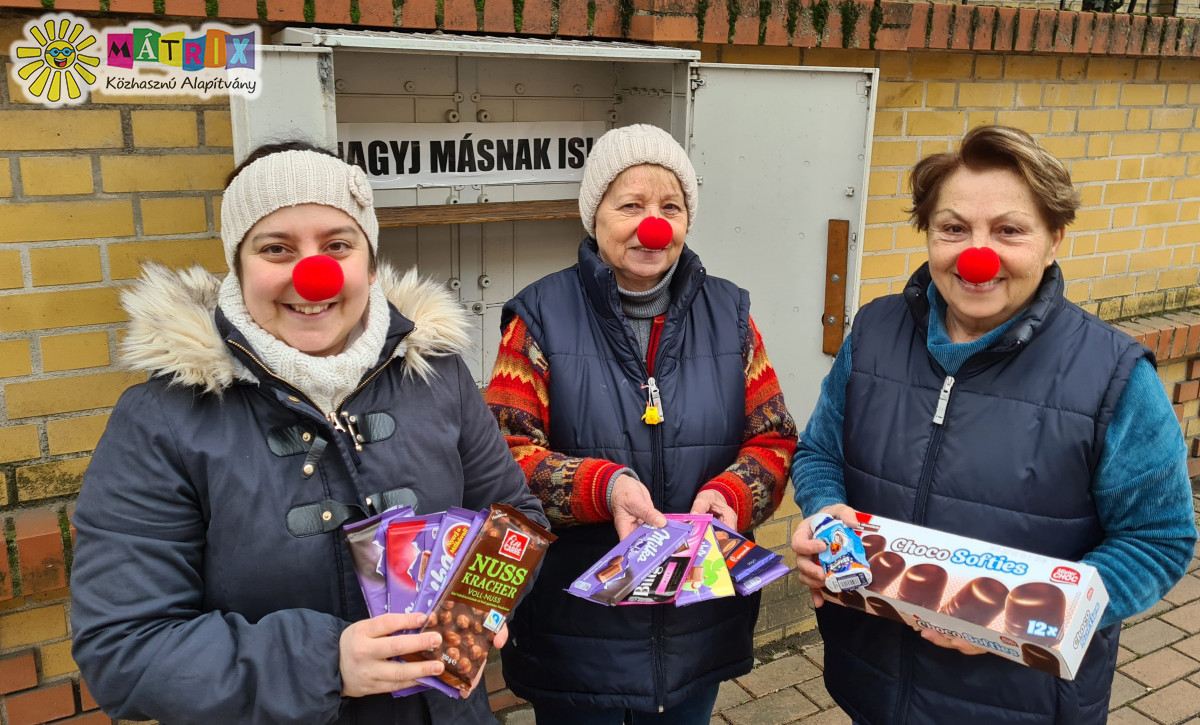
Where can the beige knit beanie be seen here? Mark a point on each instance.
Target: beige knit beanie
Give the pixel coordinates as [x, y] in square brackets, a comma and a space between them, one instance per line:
[289, 178]
[629, 146]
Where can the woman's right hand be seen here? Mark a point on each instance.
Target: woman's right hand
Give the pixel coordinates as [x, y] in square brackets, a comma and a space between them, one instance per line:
[812, 574]
[366, 650]
[632, 505]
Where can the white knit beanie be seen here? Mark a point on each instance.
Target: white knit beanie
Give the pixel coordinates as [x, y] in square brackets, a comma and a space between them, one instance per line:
[629, 146]
[289, 178]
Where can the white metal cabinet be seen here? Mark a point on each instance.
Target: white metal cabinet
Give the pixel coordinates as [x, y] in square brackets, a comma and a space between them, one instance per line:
[781, 151]
[776, 148]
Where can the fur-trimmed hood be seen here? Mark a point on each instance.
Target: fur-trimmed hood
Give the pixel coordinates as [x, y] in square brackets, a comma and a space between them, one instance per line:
[172, 331]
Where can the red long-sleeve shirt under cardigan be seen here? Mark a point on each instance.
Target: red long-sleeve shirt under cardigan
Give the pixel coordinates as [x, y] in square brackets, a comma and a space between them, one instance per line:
[573, 490]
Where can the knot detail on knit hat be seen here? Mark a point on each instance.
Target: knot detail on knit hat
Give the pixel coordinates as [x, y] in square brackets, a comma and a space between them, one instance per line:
[360, 188]
[291, 178]
[625, 147]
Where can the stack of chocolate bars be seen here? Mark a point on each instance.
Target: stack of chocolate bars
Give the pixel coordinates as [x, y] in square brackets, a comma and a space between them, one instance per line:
[692, 559]
[465, 569]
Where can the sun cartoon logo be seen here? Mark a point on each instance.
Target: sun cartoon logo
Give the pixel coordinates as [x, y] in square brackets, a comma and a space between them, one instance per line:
[53, 67]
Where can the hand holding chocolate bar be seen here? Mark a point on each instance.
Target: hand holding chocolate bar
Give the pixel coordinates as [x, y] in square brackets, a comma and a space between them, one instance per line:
[367, 650]
[632, 506]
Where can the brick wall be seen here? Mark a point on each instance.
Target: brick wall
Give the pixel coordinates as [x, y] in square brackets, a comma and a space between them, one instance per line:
[86, 194]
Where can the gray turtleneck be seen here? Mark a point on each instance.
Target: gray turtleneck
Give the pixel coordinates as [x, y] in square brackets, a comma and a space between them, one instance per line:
[642, 307]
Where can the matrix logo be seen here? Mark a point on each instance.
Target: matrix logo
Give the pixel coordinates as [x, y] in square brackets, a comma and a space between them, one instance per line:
[49, 63]
[216, 59]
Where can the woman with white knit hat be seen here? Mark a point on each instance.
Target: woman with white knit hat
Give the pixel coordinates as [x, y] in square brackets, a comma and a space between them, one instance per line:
[628, 386]
[311, 388]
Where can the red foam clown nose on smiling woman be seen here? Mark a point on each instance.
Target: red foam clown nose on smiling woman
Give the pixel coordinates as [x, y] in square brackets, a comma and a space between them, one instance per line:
[317, 278]
[978, 264]
[655, 233]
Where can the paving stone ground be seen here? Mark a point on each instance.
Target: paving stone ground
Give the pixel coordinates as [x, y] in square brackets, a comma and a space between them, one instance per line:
[1157, 680]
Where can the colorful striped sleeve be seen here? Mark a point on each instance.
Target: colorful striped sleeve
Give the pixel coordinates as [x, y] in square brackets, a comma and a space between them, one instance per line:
[572, 490]
[754, 484]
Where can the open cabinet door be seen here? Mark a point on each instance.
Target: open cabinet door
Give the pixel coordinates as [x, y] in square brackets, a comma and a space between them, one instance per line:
[782, 151]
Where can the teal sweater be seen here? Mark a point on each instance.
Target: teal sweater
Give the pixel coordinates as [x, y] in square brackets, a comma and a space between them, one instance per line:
[1141, 487]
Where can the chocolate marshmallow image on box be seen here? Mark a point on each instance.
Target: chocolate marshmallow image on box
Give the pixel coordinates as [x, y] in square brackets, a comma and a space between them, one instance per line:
[850, 598]
[1040, 659]
[886, 567]
[978, 602]
[923, 585]
[873, 544]
[1036, 611]
[881, 608]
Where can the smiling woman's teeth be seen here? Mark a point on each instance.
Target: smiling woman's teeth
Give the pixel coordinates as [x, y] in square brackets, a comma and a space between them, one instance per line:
[309, 309]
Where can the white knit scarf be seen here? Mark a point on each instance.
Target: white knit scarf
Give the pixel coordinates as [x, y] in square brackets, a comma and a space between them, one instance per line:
[325, 380]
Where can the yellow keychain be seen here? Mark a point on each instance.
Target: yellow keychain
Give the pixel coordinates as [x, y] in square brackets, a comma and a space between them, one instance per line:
[654, 409]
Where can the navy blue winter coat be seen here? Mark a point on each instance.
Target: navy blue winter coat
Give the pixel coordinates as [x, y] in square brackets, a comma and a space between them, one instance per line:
[207, 587]
[567, 650]
[1011, 464]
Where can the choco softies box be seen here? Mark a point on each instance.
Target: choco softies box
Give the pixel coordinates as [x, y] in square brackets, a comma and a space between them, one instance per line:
[1031, 609]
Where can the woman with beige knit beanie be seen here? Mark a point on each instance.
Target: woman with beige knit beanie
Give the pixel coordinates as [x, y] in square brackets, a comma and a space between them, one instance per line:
[312, 387]
[628, 386]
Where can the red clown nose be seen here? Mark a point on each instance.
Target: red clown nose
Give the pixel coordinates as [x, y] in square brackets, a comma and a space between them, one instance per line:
[978, 264]
[655, 233]
[317, 278]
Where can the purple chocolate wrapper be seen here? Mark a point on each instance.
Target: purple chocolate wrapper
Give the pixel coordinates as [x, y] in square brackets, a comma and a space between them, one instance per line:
[360, 537]
[459, 527]
[744, 558]
[661, 585]
[404, 577]
[761, 579]
[609, 580]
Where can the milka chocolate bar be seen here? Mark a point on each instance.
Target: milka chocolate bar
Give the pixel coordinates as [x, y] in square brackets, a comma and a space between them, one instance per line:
[457, 531]
[609, 580]
[409, 542]
[367, 555]
[742, 556]
[480, 594]
[662, 584]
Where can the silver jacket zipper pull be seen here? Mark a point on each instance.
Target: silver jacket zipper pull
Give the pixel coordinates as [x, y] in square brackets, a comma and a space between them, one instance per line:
[943, 400]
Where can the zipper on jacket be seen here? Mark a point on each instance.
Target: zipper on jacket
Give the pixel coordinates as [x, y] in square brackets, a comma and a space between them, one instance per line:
[658, 494]
[267, 370]
[350, 420]
[935, 442]
[906, 664]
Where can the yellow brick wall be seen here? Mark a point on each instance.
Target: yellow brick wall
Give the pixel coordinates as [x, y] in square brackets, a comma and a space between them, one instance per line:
[86, 195]
[1128, 130]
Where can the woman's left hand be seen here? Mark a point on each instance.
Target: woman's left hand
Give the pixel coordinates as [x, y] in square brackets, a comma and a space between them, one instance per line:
[942, 640]
[712, 502]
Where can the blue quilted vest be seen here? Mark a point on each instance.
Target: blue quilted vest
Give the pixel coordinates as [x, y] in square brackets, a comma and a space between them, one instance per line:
[1012, 464]
[576, 652]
